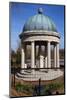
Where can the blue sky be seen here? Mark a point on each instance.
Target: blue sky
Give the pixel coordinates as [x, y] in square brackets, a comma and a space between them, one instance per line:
[20, 12]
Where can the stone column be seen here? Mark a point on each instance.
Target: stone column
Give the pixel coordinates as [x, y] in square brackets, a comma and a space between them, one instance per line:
[49, 55]
[41, 58]
[55, 56]
[25, 50]
[57, 59]
[22, 57]
[45, 56]
[35, 55]
[32, 55]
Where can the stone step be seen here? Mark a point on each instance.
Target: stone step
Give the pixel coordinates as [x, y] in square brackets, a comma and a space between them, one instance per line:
[52, 74]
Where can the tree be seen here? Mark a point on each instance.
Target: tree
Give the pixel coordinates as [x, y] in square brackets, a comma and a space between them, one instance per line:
[13, 55]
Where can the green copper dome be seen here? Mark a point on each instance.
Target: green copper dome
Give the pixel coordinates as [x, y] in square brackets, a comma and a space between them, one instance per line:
[39, 22]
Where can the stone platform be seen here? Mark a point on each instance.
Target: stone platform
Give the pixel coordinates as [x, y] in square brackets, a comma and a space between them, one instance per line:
[44, 74]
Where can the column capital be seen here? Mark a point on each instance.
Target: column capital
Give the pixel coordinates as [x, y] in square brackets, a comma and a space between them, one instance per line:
[49, 41]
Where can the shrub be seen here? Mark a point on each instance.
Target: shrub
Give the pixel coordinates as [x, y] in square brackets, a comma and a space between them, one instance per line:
[24, 88]
[48, 89]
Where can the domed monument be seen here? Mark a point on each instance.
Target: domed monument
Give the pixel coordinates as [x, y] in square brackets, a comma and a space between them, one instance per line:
[40, 30]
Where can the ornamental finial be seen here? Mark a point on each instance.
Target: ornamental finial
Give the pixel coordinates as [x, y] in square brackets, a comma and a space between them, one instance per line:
[40, 10]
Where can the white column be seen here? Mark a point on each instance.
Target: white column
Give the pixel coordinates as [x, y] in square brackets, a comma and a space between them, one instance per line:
[57, 60]
[49, 55]
[41, 58]
[32, 55]
[54, 56]
[25, 47]
[45, 56]
[35, 55]
[22, 57]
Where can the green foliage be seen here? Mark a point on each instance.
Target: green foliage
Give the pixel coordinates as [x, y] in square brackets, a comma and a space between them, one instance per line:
[18, 87]
[48, 89]
[24, 88]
